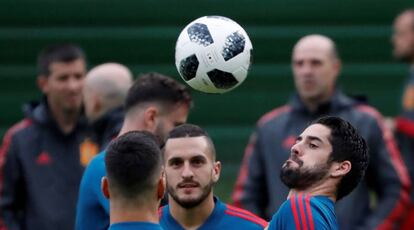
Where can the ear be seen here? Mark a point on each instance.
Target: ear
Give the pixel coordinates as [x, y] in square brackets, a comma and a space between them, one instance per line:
[150, 115]
[340, 169]
[338, 66]
[216, 171]
[104, 187]
[97, 106]
[161, 188]
[42, 83]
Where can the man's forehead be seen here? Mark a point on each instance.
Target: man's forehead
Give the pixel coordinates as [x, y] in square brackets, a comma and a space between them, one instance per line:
[317, 46]
[185, 146]
[406, 17]
[315, 52]
[317, 130]
[59, 64]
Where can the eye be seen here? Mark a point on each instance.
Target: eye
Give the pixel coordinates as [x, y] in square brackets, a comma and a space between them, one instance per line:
[298, 63]
[79, 76]
[175, 163]
[197, 162]
[63, 78]
[316, 62]
[313, 146]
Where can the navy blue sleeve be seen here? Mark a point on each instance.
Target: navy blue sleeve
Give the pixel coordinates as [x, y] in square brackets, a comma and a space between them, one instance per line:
[93, 207]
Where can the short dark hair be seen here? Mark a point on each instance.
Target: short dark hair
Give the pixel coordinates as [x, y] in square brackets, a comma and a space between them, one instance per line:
[133, 163]
[156, 87]
[190, 130]
[57, 53]
[347, 145]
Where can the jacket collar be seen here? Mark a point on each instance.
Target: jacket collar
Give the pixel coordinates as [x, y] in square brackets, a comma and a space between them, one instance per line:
[40, 113]
[337, 102]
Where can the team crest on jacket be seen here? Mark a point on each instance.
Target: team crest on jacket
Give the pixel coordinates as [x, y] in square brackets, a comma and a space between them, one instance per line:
[88, 149]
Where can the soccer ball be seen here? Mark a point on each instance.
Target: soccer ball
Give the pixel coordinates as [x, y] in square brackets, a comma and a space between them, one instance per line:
[213, 54]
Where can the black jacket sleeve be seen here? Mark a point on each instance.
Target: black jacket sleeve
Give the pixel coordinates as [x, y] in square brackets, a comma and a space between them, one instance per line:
[11, 187]
[250, 189]
[387, 176]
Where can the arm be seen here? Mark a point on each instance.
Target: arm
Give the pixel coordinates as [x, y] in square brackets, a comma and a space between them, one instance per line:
[250, 190]
[387, 176]
[11, 186]
[92, 208]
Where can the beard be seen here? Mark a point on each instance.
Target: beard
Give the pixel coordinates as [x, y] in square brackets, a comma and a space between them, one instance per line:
[301, 177]
[190, 203]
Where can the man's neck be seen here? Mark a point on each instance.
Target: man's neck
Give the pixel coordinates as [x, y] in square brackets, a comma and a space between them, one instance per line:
[312, 104]
[326, 188]
[65, 120]
[195, 217]
[132, 124]
[133, 213]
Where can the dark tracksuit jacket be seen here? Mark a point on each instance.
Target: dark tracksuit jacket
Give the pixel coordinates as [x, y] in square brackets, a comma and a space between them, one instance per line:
[405, 129]
[40, 172]
[260, 190]
[107, 127]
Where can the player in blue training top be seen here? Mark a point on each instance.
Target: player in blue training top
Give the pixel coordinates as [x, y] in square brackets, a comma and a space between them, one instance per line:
[191, 170]
[327, 162]
[154, 103]
[134, 183]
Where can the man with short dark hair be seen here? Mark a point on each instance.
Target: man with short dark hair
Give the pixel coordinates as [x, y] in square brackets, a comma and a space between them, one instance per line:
[40, 157]
[191, 170]
[134, 183]
[316, 67]
[155, 103]
[326, 163]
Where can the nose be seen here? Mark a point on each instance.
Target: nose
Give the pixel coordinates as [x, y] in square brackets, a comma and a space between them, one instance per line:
[295, 150]
[75, 84]
[187, 173]
[306, 69]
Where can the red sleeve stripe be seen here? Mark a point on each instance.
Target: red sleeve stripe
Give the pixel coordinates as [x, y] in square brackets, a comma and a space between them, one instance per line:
[302, 212]
[160, 211]
[5, 148]
[241, 179]
[396, 160]
[295, 212]
[405, 126]
[246, 217]
[6, 144]
[309, 212]
[245, 212]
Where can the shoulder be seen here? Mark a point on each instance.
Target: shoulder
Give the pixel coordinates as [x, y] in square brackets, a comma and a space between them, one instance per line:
[19, 128]
[16, 130]
[368, 112]
[306, 212]
[244, 217]
[274, 114]
[96, 168]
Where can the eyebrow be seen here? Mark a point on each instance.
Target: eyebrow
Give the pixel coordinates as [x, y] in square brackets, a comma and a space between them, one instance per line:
[198, 156]
[311, 138]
